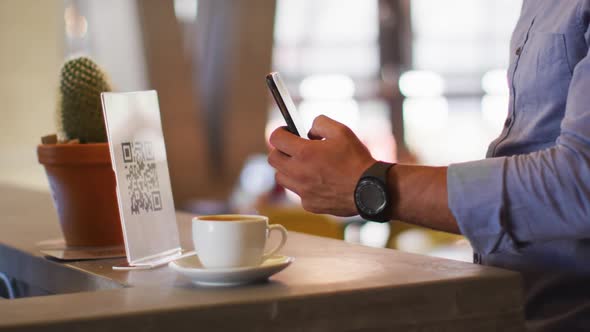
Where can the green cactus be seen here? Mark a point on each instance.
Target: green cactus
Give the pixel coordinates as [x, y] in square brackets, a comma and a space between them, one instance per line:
[80, 110]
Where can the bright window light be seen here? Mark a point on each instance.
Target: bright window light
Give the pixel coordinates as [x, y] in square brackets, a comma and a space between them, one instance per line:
[415, 241]
[494, 111]
[257, 177]
[425, 113]
[374, 234]
[495, 82]
[344, 111]
[421, 83]
[327, 87]
[186, 10]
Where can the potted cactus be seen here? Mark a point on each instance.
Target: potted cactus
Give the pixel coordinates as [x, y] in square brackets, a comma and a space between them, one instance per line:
[77, 160]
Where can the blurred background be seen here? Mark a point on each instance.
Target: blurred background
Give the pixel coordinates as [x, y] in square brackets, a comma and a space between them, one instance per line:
[419, 81]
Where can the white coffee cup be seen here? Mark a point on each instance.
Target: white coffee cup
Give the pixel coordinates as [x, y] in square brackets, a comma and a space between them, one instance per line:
[234, 240]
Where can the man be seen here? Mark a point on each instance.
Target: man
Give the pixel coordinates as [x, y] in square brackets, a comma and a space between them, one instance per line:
[526, 207]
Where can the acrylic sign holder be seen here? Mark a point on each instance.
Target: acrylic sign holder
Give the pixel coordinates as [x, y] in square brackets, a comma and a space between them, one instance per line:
[144, 193]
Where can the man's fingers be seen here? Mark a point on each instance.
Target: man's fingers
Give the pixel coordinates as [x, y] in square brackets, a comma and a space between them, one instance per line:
[282, 162]
[314, 137]
[286, 142]
[324, 127]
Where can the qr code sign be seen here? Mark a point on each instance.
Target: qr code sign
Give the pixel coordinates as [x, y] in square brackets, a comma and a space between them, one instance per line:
[142, 177]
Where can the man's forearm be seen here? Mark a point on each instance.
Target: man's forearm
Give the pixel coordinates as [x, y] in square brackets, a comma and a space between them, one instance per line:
[419, 196]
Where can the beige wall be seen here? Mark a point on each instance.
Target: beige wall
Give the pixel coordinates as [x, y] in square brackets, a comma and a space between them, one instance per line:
[30, 56]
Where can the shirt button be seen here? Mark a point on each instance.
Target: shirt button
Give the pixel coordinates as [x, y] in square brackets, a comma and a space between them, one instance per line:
[507, 122]
[518, 50]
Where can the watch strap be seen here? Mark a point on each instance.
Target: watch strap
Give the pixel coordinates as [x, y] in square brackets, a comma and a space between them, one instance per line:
[378, 171]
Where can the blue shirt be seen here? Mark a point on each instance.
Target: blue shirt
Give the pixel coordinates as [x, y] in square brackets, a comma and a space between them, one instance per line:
[527, 206]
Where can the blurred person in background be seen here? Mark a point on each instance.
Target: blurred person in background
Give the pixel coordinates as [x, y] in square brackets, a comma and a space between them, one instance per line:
[525, 208]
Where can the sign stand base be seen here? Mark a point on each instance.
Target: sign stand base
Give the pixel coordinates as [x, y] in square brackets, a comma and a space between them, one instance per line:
[154, 263]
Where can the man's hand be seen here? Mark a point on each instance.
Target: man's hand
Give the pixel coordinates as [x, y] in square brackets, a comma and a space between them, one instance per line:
[322, 171]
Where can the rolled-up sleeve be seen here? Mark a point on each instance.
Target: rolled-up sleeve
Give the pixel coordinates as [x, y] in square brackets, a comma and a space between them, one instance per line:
[475, 192]
[504, 203]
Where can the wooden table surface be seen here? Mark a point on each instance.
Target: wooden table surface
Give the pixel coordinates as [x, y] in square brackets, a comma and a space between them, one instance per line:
[332, 286]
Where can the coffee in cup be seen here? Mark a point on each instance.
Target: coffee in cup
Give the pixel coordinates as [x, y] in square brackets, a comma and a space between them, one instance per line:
[234, 240]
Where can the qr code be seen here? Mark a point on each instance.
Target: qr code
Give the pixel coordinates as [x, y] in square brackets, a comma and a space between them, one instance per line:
[142, 177]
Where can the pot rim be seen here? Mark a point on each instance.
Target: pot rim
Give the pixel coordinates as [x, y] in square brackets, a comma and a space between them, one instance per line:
[74, 154]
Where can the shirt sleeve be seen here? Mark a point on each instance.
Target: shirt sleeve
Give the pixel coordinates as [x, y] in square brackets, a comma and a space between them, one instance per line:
[504, 203]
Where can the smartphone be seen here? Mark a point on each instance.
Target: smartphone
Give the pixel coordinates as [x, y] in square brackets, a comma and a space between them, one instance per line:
[286, 106]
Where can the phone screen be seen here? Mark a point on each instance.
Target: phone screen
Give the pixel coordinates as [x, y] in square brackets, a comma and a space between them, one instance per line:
[286, 105]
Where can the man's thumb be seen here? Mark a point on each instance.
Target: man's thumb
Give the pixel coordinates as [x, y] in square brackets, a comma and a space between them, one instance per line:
[324, 127]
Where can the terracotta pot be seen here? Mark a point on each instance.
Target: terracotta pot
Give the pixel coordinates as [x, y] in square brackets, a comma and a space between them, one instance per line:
[83, 188]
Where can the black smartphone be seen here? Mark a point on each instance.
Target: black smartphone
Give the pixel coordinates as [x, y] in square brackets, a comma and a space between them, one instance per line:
[286, 106]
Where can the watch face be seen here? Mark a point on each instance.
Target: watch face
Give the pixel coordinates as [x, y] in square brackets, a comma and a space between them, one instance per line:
[370, 197]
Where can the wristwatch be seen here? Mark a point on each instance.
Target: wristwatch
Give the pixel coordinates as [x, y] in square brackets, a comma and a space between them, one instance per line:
[372, 196]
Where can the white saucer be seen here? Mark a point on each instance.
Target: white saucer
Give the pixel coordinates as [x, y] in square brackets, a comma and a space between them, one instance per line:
[192, 268]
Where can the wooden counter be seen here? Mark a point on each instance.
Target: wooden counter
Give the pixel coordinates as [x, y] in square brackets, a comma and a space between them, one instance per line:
[332, 286]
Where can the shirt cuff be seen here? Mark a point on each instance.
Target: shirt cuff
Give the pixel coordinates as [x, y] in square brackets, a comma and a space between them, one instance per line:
[476, 199]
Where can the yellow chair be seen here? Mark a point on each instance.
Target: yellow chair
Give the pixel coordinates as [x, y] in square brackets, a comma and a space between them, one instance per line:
[299, 220]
